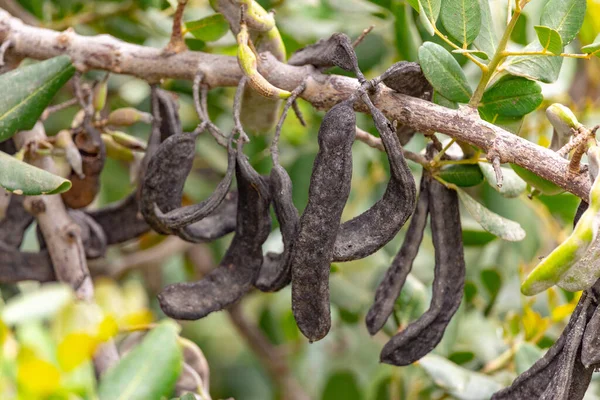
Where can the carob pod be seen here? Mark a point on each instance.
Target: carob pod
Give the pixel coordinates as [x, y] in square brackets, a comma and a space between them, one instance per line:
[335, 51]
[218, 224]
[275, 272]
[240, 266]
[328, 192]
[590, 349]
[373, 229]
[186, 215]
[15, 222]
[170, 124]
[532, 383]
[16, 266]
[390, 287]
[422, 335]
[120, 220]
[163, 181]
[407, 78]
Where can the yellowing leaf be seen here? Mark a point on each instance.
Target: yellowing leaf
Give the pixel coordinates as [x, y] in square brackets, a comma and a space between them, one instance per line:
[534, 324]
[38, 377]
[75, 349]
[561, 312]
[107, 328]
[4, 332]
[139, 318]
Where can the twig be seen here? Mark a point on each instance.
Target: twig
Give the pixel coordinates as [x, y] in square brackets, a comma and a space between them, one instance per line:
[289, 102]
[362, 36]
[237, 106]
[176, 43]
[58, 107]
[200, 93]
[323, 91]
[376, 143]
[5, 45]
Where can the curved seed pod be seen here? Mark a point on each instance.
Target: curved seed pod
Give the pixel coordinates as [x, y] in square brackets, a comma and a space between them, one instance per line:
[422, 335]
[165, 176]
[183, 216]
[120, 221]
[313, 250]
[16, 266]
[590, 349]
[241, 264]
[583, 206]
[337, 50]
[218, 224]
[15, 222]
[393, 281]
[562, 260]
[170, 124]
[249, 65]
[407, 78]
[373, 229]
[92, 235]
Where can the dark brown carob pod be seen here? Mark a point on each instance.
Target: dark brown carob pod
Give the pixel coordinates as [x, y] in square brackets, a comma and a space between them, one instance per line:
[92, 234]
[170, 124]
[335, 51]
[407, 78]
[15, 222]
[163, 181]
[328, 192]
[373, 229]
[183, 216]
[240, 266]
[221, 222]
[422, 335]
[16, 266]
[393, 281]
[275, 272]
[532, 384]
[590, 349]
[120, 220]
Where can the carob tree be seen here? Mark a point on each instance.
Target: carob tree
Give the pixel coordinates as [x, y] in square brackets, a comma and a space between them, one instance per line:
[317, 237]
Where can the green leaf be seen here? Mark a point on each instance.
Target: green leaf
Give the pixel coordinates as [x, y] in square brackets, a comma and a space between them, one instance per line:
[342, 385]
[27, 91]
[442, 101]
[520, 33]
[565, 16]
[476, 237]
[537, 182]
[539, 68]
[460, 382]
[490, 221]
[462, 19]
[511, 96]
[208, 29]
[512, 185]
[476, 53]
[414, 4]
[444, 73]
[407, 35]
[549, 38]
[593, 48]
[429, 11]
[486, 41]
[149, 371]
[21, 178]
[463, 175]
[42, 303]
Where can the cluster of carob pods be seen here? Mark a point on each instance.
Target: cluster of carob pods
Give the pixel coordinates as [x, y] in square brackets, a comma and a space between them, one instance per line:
[313, 240]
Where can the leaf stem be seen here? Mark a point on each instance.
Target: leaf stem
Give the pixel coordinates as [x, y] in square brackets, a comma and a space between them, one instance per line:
[456, 47]
[545, 53]
[496, 59]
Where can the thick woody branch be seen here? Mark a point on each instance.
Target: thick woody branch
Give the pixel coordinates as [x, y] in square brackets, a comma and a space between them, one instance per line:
[323, 91]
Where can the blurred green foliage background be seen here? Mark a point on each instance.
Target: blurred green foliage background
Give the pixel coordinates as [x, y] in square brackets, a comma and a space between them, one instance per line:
[496, 333]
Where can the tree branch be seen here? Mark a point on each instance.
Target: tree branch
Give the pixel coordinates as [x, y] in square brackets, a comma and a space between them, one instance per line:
[323, 91]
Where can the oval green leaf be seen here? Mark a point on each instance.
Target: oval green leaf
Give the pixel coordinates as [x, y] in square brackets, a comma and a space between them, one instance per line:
[149, 371]
[406, 33]
[463, 175]
[512, 185]
[27, 91]
[429, 11]
[564, 16]
[511, 96]
[462, 20]
[549, 38]
[593, 48]
[539, 68]
[444, 73]
[490, 221]
[22, 178]
[537, 182]
[476, 237]
[208, 29]
[486, 41]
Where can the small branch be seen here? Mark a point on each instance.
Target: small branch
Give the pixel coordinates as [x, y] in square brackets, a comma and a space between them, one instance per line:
[545, 53]
[58, 107]
[323, 91]
[177, 44]
[362, 36]
[376, 143]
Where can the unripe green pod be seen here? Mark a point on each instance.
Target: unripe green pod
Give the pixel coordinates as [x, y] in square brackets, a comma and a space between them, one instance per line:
[537, 182]
[127, 116]
[116, 151]
[100, 94]
[131, 142]
[463, 175]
